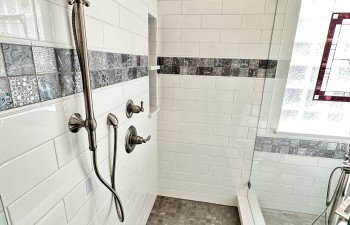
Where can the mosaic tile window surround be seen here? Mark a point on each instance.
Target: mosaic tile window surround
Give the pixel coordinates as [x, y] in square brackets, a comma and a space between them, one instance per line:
[218, 67]
[32, 74]
[313, 148]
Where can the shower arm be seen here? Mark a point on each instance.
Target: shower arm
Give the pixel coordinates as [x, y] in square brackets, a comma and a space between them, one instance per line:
[76, 122]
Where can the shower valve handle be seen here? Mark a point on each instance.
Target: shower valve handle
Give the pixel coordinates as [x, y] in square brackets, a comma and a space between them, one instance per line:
[136, 140]
[131, 108]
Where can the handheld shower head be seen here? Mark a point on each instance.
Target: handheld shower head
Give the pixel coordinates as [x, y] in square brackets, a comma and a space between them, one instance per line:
[112, 120]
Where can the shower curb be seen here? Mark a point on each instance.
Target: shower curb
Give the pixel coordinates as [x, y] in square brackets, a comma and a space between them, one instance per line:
[250, 211]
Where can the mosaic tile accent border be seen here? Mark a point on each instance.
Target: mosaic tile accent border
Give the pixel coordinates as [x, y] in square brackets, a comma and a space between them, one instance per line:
[32, 74]
[302, 147]
[218, 67]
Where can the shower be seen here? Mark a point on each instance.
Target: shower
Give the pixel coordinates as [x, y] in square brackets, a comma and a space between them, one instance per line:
[76, 122]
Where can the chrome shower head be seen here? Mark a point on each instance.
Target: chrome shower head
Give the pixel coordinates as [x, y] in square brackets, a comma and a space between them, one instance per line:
[112, 120]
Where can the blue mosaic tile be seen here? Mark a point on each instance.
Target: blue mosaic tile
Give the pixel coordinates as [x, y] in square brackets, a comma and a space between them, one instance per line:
[67, 84]
[2, 64]
[301, 147]
[24, 90]
[97, 60]
[49, 87]
[44, 60]
[67, 60]
[5, 94]
[18, 60]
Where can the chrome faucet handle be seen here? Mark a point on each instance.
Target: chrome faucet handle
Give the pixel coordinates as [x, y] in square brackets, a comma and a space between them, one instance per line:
[132, 139]
[137, 140]
[131, 108]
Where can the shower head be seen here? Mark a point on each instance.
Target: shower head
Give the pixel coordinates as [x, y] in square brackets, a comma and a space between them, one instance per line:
[112, 120]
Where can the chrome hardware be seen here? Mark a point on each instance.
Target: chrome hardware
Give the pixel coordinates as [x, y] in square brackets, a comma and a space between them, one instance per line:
[131, 108]
[76, 122]
[84, 2]
[132, 139]
[112, 120]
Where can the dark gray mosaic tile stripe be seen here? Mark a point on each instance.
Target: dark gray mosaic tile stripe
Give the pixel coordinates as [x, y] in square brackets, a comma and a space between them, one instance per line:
[2, 64]
[44, 60]
[32, 74]
[218, 67]
[67, 60]
[18, 60]
[49, 87]
[6, 101]
[301, 147]
[24, 90]
[174, 211]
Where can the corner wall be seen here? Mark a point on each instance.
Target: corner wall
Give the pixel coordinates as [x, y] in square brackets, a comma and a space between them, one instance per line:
[49, 177]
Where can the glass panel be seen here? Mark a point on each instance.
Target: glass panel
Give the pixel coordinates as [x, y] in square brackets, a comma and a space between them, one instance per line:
[3, 220]
[301, 140]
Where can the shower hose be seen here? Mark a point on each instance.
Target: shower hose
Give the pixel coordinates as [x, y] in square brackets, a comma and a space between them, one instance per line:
[329, 201]
[112, 189]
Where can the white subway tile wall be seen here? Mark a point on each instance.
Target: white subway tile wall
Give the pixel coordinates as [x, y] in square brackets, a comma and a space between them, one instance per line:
[293, 183]
[46, 174]
[216, 28]
[204, 142]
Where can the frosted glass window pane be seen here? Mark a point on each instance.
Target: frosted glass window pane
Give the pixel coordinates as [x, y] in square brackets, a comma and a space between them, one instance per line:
[300, 113]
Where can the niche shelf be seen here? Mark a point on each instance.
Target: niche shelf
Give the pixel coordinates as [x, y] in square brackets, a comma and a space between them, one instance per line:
[153, 67]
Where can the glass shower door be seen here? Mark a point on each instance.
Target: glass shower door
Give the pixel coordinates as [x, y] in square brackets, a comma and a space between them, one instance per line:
[292, 160]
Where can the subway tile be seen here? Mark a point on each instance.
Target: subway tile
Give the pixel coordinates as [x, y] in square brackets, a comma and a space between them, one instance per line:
[230, 36]
[226, 152]
[57, 215]
[192, 168]
[77, 198]
[195, 128]
[221, 21]
[230, 131]
[197, 82]
[182, 21]
[186, 186]
[35, 203]
[209, 160]
[86, 213]
[205, 179]
[202, 7]
[169, 7]
[232, 108]
[178, 176]
[200, 35]
[196, 106]
[224, 172]
[216, 199]
[16, 174]
[213, 118]
[211, 140]
[192, 149]
[15, 148]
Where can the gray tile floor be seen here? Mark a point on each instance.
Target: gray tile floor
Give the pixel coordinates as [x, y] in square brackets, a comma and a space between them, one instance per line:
[173, 211]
